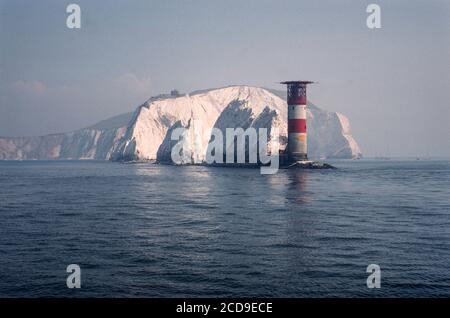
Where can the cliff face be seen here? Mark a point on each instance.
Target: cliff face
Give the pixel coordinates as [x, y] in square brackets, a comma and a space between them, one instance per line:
[148, 135]
[88, 143]
[145, 135]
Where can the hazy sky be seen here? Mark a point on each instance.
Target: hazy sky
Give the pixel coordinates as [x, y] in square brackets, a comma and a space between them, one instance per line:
[393, 83]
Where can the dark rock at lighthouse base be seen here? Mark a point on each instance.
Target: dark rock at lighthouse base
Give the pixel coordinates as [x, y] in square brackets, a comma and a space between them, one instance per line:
[307, 165]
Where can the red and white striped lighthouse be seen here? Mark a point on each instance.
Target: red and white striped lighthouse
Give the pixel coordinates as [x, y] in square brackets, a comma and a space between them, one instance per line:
[297, 138]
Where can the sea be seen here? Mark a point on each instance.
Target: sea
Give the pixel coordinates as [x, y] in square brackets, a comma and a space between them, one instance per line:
[149, 230]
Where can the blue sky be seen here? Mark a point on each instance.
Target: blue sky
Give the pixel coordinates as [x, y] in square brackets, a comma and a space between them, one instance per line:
[393, 83]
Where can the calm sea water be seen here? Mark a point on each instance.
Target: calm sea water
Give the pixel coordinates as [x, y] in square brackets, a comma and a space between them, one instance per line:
[165, 231]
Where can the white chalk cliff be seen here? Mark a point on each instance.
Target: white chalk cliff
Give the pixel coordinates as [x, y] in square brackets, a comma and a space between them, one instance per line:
[145, 134]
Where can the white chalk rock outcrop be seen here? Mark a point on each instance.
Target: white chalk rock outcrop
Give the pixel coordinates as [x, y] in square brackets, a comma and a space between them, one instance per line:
[145, 134]
[149, 132]
[95, 142]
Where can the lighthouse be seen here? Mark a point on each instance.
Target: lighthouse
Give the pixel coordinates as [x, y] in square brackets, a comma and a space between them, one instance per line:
[297, 148]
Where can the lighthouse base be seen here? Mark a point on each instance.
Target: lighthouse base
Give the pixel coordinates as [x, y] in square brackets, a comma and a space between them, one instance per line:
[306, 164]
[287, 162]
